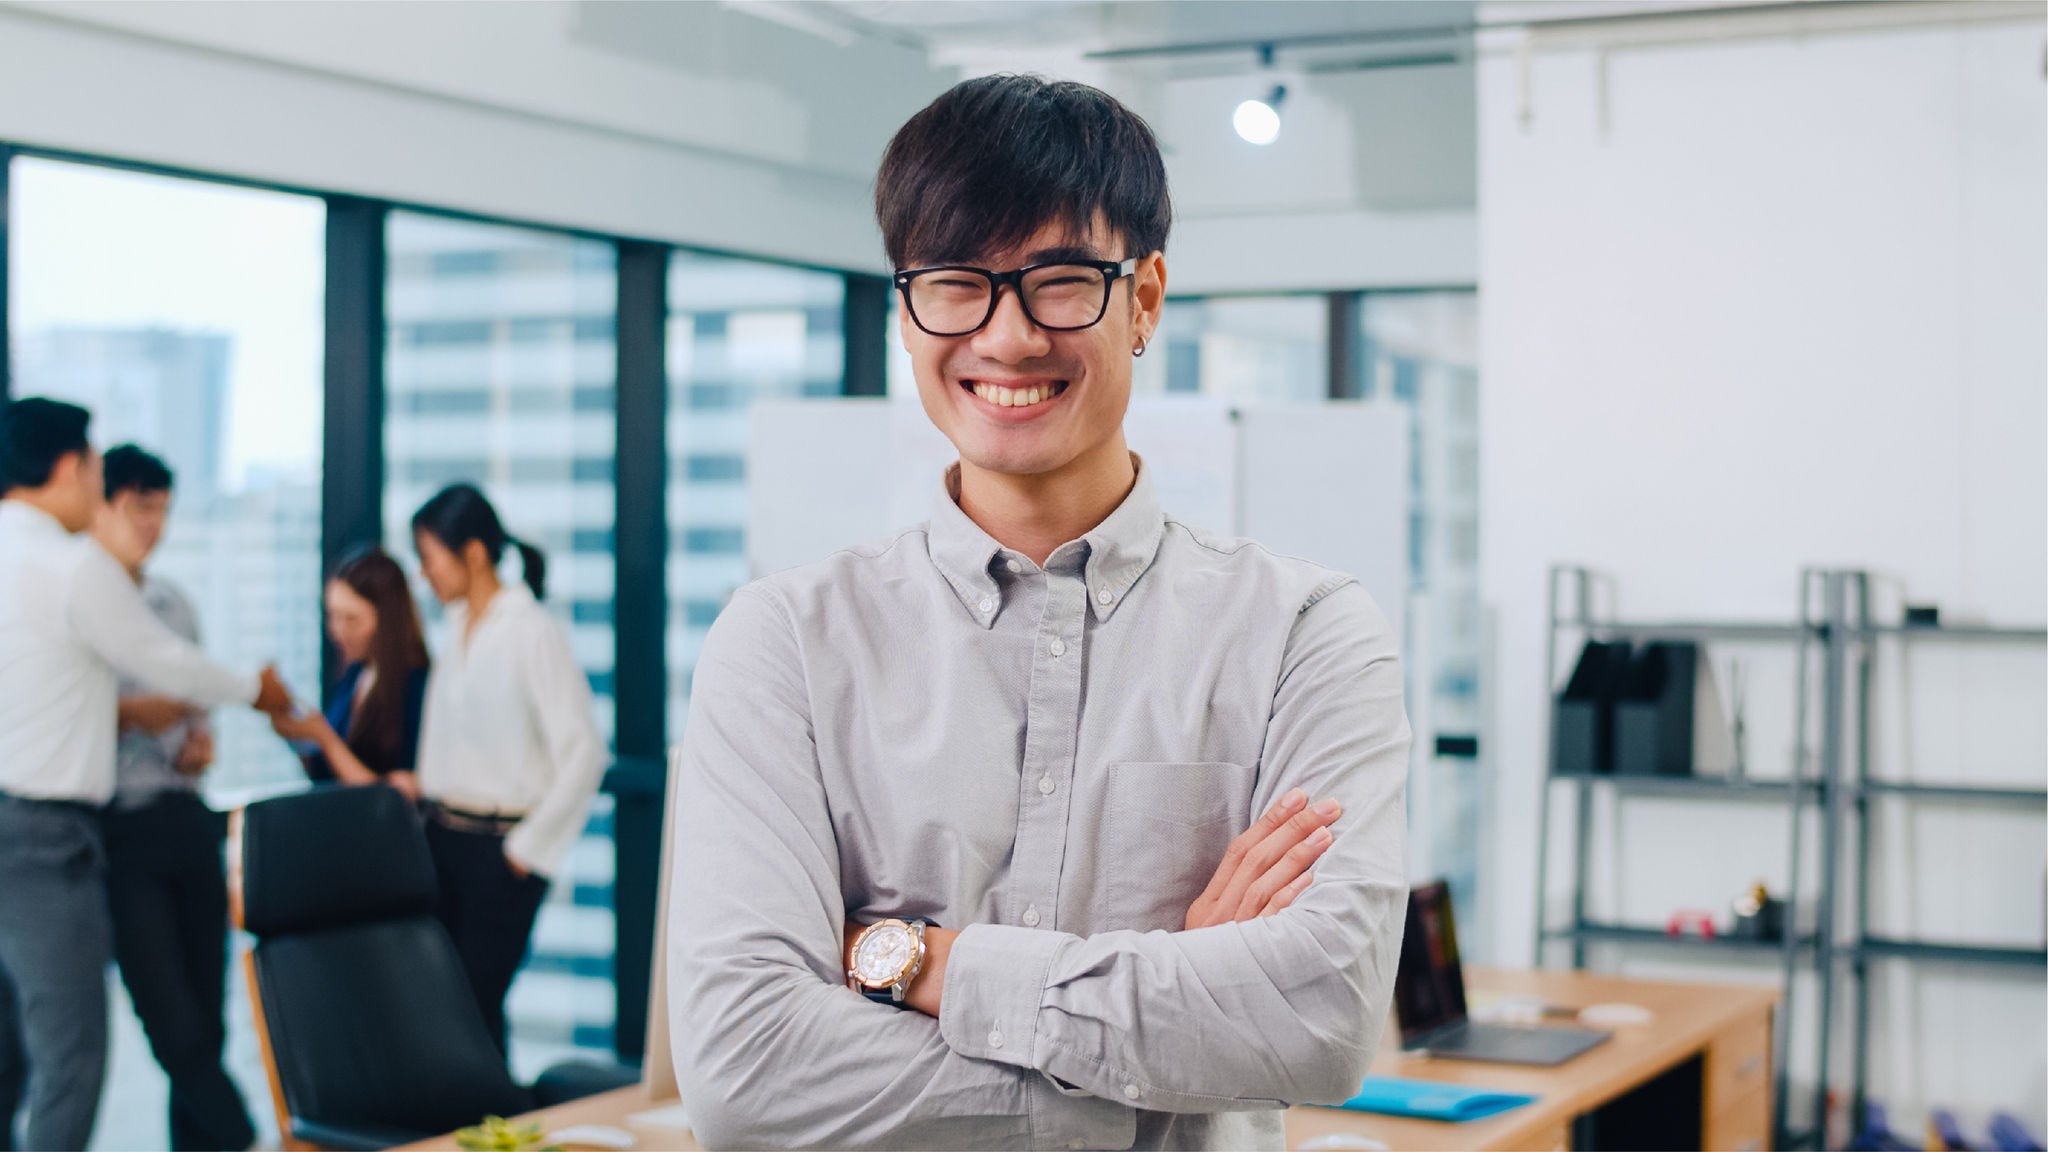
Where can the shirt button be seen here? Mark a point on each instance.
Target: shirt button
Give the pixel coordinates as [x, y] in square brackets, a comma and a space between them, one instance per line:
[1046, 786]
[1013, 566]
[1105, 596]
[988, 603]
[1031, 917]
[995, 1038]
[1131, 1092]
[1058, 647]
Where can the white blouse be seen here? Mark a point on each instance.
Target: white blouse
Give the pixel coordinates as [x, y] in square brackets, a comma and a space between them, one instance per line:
[509, 727]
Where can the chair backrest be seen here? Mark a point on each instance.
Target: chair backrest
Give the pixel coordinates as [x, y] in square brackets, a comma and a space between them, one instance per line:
[367, 1015]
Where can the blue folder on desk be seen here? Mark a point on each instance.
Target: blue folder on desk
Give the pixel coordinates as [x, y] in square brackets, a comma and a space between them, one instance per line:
[1430, 1100]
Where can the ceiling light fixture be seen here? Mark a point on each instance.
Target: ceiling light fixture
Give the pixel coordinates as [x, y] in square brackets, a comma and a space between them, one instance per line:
[1258, 121]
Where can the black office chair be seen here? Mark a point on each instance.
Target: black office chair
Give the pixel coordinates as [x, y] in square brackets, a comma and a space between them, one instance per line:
[369, 1031]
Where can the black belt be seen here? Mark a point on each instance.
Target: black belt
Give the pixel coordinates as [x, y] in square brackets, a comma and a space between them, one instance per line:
[463, 820]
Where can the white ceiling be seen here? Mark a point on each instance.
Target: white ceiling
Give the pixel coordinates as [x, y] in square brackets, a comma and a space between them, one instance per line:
[956, 30]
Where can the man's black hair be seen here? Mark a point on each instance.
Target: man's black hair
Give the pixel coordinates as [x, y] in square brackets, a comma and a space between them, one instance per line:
[995, 159]
[36, 433]
[128, 467]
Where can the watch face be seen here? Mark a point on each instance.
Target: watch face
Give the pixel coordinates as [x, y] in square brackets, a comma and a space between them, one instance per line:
[883, 955]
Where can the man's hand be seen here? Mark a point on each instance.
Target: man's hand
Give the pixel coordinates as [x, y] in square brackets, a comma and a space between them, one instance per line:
[405, 783]
[152, 714]
[1264, 869]
[273, 697]
[196, 753]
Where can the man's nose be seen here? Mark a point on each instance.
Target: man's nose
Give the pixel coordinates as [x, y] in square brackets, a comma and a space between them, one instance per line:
[1010, 337]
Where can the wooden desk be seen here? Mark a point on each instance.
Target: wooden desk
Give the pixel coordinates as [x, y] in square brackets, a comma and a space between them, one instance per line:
[1729, 1027]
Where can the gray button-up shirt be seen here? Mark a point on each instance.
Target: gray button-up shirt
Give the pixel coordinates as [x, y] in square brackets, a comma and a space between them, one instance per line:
[1052, 760]
[146, 763]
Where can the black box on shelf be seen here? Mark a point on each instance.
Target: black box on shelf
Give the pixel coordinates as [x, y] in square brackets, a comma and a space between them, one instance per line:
[1582, 729]
[1653, 712]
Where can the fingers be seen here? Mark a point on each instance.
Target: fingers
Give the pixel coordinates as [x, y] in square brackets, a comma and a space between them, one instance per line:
[1288, 871]
[1285, 896]
[1271, 850]
[1289, 804]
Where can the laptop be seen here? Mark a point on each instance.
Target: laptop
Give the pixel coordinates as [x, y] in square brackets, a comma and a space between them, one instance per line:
[1429, 998]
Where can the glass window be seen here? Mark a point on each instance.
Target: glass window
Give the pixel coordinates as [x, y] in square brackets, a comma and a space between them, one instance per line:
[738, 331]
[187, 316]
[1422, 350]
[1246, 348]
[501, 370]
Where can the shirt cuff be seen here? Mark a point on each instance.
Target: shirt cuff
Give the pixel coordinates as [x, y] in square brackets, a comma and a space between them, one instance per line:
[995, 981]
[540, 859]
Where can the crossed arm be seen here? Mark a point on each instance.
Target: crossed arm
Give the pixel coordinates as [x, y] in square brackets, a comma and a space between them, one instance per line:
[1263, 870]
[1273, 993]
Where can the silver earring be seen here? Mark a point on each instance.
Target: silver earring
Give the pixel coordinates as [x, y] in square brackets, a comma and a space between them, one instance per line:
[1139, 350]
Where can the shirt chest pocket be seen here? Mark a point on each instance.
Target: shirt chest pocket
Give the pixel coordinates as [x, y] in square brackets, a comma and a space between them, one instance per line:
[1165, 828]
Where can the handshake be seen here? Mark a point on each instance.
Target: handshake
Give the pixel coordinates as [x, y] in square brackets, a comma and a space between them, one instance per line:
[272, 697]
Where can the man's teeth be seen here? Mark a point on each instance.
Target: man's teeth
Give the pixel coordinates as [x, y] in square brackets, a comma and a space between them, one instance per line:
[1014, 397]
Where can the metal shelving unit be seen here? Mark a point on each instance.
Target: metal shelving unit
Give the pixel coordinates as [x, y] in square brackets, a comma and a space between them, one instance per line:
[1866, 948]
[1821, 595]
[1835, 640]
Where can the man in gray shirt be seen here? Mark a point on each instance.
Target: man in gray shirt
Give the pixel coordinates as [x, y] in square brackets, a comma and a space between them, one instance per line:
[1053, 821]
[166, 877]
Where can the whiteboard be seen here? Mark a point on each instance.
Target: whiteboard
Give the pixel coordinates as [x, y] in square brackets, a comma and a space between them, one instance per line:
[1328, 482]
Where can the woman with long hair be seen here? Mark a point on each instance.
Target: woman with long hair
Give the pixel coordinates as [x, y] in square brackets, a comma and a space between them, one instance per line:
[371, 730]
[510, 755]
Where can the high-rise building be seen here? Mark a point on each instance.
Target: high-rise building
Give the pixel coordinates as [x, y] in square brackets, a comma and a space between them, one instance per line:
[500, 371]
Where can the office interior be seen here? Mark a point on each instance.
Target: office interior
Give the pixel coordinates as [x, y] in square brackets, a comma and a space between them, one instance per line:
[1715, 333]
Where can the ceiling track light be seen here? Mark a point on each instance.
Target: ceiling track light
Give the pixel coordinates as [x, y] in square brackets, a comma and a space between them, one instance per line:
[1258, 121]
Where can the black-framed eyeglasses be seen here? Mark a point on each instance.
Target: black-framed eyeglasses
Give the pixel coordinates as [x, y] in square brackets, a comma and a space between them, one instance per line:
[960, 299]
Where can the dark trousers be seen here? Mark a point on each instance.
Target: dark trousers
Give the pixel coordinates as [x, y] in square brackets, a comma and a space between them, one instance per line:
[54, 945]
[167, 890]
[488, 910]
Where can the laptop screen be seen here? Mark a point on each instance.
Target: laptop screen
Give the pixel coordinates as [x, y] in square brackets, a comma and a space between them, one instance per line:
[1429, 983]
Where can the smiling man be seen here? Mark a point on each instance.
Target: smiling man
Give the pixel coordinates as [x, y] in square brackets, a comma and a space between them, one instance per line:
[1053, 821]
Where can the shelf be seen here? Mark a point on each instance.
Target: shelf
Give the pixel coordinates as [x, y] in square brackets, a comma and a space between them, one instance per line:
[1959, 632]
[1696, 629]
[1882, 948]
[1709, 787]
[1962, 793]
[1599, 933]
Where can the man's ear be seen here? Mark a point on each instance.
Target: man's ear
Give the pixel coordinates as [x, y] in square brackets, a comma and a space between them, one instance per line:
[1148, 295]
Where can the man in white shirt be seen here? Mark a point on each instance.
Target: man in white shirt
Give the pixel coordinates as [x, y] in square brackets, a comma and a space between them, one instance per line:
[70, 619]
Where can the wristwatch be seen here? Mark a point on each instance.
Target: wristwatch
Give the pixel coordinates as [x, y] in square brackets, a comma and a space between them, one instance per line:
[887, 956]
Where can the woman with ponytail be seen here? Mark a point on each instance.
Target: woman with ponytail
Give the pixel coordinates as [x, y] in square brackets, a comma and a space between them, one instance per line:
[510, 755]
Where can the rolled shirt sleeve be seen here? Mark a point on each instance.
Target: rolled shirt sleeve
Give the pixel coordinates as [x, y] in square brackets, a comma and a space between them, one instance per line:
[1283, 1009]
[771, 1047]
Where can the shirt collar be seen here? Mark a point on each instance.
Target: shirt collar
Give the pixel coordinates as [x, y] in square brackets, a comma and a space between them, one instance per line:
[1118, 550]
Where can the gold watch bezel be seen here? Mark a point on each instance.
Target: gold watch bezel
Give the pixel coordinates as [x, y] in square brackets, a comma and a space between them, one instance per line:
[899, 983]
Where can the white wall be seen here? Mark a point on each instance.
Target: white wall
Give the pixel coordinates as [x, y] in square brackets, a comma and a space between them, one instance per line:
[1754, 304]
